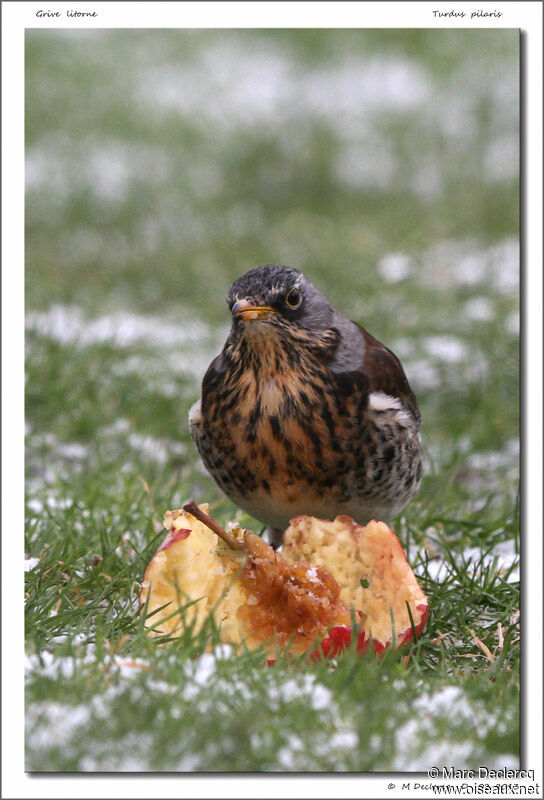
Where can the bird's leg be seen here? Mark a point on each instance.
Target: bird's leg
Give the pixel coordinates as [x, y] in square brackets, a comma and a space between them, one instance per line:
[274, 536]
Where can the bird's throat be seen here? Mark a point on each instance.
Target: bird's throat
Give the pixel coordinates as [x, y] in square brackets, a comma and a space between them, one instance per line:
[274, 371]
[271, 351]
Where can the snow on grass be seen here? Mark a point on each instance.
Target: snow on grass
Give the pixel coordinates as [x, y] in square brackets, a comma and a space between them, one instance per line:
[48, 665]
[395, 267]
[119, 440]
[431, 732]
[502, 558]
[67, 325]
[262, 87]
[422, 374]
[466, 262]
[512, 324]
[185, 349]
[51, 501]
[447, 349]
[199, 673]
[198, 690]
[318, 696]
[493, 460]
[52, 721]
[237, 83]
[434, 736]
[479, 308]
[152, 449]
[441, 359]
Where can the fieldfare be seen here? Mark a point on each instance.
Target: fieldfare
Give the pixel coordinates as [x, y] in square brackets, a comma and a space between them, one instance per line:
[304, 412]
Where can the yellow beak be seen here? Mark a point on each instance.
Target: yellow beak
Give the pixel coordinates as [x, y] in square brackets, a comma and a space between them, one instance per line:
[243, 309]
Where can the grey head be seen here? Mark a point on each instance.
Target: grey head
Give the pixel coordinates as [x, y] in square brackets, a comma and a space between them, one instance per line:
[284, 290]
[284, 298]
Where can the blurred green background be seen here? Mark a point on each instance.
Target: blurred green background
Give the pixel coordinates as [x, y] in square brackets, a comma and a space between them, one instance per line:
[162, 164]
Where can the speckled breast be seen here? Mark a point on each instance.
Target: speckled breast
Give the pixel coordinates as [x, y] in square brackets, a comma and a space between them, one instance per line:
[285, 445]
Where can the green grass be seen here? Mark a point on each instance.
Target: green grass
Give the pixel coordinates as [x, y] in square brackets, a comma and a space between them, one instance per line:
[140, 213]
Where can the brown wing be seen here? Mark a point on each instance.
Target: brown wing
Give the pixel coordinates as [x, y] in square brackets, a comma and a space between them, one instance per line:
[385, 373]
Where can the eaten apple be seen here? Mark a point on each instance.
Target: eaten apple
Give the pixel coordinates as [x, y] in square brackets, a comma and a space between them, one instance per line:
[328, 573]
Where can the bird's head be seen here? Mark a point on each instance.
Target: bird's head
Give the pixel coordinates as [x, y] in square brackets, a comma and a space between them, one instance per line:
[277, 299]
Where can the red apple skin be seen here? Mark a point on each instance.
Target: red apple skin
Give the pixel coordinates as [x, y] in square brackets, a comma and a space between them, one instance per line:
[173, 536]
[339, 639]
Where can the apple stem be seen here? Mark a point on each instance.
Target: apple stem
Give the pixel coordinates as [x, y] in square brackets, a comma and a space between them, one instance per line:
[210, 523]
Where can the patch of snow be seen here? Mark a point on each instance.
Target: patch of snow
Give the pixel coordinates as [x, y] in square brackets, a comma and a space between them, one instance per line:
[428, 179]
[286, 758]
[505, 761]
[72, 450]
[204, 669]
[183, 348]
[259, 87]
[513, 324]
[479, 308]
[109, 169]
[129, 667]
[51, 501]
[48, 665]
[191, 762]
[301, 688]
[437, 569]
[198, 673]
[355, 170]
[67, 325]
[52, 723]
[422, 374]
[492, 460]
[120, 426]
[153, 449]
[344, 740]
[441, 754]
[222, 652]
[452, 262]
[30, 563]
[129, 754]
[446, 348]
[395, 267]
[501, 558]
[420, 742]
[290, 690]
[321, 697]
[62, 503]
[76, 639]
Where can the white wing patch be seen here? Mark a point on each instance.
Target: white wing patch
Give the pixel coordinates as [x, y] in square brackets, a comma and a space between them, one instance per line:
[195, 417]
[378, 401]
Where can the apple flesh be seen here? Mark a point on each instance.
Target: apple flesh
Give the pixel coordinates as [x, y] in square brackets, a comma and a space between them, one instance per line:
[377, 581]
[192, 566]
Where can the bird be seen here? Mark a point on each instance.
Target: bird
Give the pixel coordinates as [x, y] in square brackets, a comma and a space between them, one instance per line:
[304, 411]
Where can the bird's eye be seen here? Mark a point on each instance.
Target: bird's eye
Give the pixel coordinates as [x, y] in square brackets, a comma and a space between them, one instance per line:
[293, 299]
